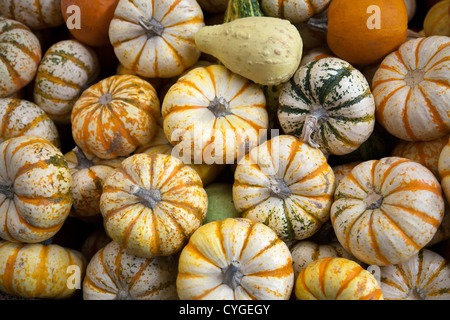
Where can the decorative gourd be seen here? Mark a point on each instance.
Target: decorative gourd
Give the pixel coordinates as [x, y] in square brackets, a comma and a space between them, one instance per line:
[37, 15]
[316, 54]
[20, 53]
[305, 251]
[411, 90]
[21, 117]
[151, 204]
[220, 202]
[156, 41]
[235, 259]
[35, 189]
[295, 11]
[386, 210]
[211, 115]
[424, 152]
[94, 25]
[115, 116]
[160, 144]
[444, 170]
[425, 276]
[213, 6]
[362, 36]
[285, 184]
[66, 69]
[95, 241]
[115, 274]
[336, 279]
[40, 271]
[157, 83]
[437, 19]
[342, 170]
[237, 9]
[272, 47]
[328, 104]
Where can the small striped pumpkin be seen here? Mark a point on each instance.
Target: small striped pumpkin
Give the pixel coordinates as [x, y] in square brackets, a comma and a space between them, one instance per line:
[21, 117]
[39, 14]
[156, 40]
[40, 271]
[35, 189]
[342, 170]
[425, 276]
[437, 19]
[295, 11]
[67, 68]
[20, 54]
[285, 184]
[336, 279]
[115, 274]
[151, 204]
[316, 54]
[411, 90]
[115, 116]
[386, 210]
[235, 259]
[328, 104]
[444, 169]
[212, 115]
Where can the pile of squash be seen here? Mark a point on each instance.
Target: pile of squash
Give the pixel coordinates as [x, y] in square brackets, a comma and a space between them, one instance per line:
[225, 149]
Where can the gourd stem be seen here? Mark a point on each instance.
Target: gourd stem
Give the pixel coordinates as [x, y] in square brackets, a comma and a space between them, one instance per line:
[319, 22]
[152, 27]
[83, 161]
[308, 128]
[415, 294]
[105, 98]
[279, 188]
[148, 197]
[232, 274]
[414, 77]
[7, 190]
[219, 107]
[124, 295]
[373, 200]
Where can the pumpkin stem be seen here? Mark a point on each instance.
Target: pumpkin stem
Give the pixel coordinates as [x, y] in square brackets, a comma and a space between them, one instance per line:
[152, 27]
[105, 98]
[149, 197]
[219, 107]
[83, 161]
[373, 200]
[7, 190]
[319, 22]
[308, 128]
[414, 77]
[232, 274]
[124, 295]
[415, 294]
[279, 188]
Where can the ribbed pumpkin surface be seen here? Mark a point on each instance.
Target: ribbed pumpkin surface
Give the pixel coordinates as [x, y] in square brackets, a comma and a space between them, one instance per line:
[294, 11]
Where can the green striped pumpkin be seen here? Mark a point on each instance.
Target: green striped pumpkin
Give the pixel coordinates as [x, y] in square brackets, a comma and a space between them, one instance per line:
[242, 8]
[67, 68]
[328, 104]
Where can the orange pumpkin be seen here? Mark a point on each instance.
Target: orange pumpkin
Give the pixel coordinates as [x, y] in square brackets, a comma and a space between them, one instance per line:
[361, 36]
[437, 20]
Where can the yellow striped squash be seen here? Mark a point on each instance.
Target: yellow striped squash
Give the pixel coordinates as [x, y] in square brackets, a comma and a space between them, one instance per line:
[213, 115]
[151, 204]
[36, 14]
[22, 117]
[425, 276]
[437, 19]
[67, 68]
[285, 184]
[40, 271]
[115, 274]
[156, 39]
[115, 116]
[294, 10]
[35, 189]
[20, 54]
[336, 279]
[444, 169]
[411, 90]
[386, 210]
[235, 259]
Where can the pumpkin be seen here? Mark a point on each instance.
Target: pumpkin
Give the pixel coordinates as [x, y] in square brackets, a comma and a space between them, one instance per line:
[157, 83]
[305, 252]
[93, 242]
[316, 54]
[40, 271]
[21, 117]
[411, 7]
[160, 144]
[156, 41]
[362, 36]
[37, 15]
[115, 274]
[35, 189]
[332, 278]
[285, 184]
[386, 210]
[425, 276]
[424, 152]
[272, 47]
[328, 104]
[342, 170]
[67, 68]
[437, 19]
[411, 90]
[444, 169]
[115, 116]
[95, 19]
[235, 259]
[20, 54]
[242, 8]
[211, 115]
[151, 204]
[294, 11]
